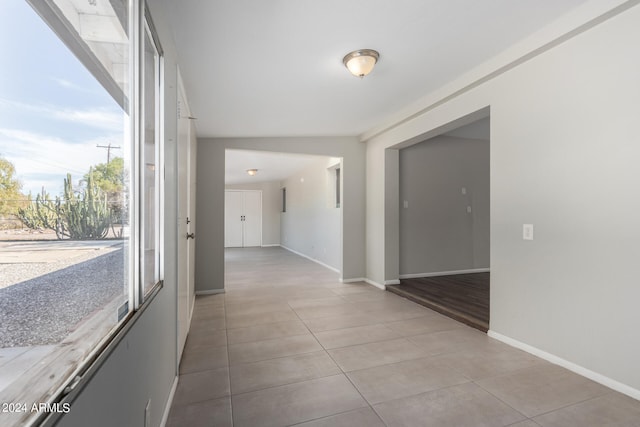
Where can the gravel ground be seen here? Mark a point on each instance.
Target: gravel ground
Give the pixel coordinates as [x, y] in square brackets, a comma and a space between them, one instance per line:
[45, 309]
[11, 274]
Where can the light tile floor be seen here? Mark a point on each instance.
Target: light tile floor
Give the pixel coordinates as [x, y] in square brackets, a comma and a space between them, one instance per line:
[287, 344]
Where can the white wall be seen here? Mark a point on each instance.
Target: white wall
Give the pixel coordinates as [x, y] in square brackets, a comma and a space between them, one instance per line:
[311, 224]
[144, 364]
[437, 233]
[271, 206]
[210, 199]
[564, 151]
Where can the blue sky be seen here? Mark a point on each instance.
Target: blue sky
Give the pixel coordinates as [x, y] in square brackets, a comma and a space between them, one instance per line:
[53, 112]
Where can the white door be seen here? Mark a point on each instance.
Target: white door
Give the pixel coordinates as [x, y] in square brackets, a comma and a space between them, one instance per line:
[233, 211]
[242, 219]
[186, 151]
[252, 219]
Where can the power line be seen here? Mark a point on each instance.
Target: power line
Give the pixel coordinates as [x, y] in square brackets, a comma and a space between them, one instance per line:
[108, 147]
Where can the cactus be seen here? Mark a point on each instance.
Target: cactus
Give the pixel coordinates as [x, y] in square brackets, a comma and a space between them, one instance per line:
[38, 214]
[87, 217]
[77, 216]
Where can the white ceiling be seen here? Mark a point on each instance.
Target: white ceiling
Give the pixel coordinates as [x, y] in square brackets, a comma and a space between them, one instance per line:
[274, 68]
[271, 166]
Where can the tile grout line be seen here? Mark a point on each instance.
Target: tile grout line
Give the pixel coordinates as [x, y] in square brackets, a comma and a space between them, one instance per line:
[332, 415]
[537, 415]
[498, 399]
[344, 374]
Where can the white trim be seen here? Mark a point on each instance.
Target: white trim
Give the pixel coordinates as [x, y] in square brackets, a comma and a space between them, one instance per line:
[392, 282]
[444, 273]
[311, 259]
[271, 245]
[580, 370]
[210, 292]
[376, 284]
[167, 408]
[357, 279]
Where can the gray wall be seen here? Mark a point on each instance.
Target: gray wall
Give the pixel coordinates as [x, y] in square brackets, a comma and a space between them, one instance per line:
[210, 199]
[144, 364]
[271, 206]
[564, 150]
[311, 225]
[437, 234]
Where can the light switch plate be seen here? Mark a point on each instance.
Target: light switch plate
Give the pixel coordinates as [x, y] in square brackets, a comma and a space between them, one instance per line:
[527, 231]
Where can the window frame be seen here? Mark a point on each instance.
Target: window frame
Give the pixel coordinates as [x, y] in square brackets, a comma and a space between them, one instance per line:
[146, 28]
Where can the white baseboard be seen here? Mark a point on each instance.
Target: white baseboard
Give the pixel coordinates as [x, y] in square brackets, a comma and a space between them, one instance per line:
[167, 408]
[365, 280]
[311, 259]
[392, 282]
[210, 292]
[357, 279]
[444, 273]
[580, 370]
[376, 284]
[271, 245]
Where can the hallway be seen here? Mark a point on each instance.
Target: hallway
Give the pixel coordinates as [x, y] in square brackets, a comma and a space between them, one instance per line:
[288, 344]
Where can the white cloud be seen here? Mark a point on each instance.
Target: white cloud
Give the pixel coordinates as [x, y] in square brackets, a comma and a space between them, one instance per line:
[102, 118]
[65, 83]
[96, 118]
[35, 155]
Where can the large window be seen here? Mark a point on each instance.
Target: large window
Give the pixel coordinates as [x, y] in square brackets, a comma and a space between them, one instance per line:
[80, 189]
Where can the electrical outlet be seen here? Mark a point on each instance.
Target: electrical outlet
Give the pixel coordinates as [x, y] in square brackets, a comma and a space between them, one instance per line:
[527, 231]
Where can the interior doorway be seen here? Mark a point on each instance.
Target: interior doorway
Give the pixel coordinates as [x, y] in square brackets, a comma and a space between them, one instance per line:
[444, 234]
[299, 197]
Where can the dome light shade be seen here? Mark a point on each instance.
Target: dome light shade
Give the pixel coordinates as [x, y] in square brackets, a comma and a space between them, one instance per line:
[252, 172]
[361, 62]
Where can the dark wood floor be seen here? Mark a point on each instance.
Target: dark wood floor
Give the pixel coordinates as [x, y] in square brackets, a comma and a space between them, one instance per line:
[464, 297]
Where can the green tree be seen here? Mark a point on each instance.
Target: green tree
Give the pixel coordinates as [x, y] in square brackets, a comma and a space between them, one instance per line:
[110, 179]
[10, 196]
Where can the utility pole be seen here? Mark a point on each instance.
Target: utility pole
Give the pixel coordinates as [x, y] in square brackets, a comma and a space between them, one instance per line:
[108, 147]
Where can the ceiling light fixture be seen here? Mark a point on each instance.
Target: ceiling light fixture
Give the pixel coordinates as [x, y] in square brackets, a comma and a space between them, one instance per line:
[252, 172]
[361, 62]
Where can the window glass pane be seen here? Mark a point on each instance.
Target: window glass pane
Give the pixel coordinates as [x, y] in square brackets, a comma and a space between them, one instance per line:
[65, 152]
[150, 170]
